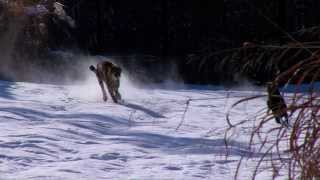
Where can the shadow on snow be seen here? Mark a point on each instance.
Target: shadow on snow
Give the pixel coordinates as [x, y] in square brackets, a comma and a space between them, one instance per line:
[5, 89]
[117, 130]
[143, 109]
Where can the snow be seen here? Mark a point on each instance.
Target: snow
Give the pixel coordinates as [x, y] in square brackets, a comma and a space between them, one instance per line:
[68, 132]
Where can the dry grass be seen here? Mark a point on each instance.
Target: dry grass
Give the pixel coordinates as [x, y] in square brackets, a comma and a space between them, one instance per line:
[293, 152]
[259, 63]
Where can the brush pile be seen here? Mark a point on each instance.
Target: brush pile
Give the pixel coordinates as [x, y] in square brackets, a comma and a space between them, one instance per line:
[295, 151]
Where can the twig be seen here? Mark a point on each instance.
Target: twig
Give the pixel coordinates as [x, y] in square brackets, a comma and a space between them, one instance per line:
[184, 114]
[130, 117]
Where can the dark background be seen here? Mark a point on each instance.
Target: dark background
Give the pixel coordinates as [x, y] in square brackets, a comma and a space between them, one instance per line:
[181, 27]
[156, 35]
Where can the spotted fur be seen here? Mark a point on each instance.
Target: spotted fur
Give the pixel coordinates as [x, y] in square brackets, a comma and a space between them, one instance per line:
[109, 74]
[276, 103]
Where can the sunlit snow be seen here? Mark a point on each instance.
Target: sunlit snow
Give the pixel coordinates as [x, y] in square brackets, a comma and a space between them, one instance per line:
[68, 132]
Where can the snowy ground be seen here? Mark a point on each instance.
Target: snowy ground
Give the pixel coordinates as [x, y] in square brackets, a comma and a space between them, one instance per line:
[67, 132]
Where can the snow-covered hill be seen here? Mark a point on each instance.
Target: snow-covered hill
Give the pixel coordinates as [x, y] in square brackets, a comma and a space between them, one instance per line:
[67, 132]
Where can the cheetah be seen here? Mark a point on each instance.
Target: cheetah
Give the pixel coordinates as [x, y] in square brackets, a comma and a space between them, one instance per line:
[276, 104]
[108, 73]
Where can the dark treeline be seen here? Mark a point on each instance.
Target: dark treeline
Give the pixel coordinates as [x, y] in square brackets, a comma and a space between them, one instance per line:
[160, 27]
[190, 28]
[180, 27]
[185, 33]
